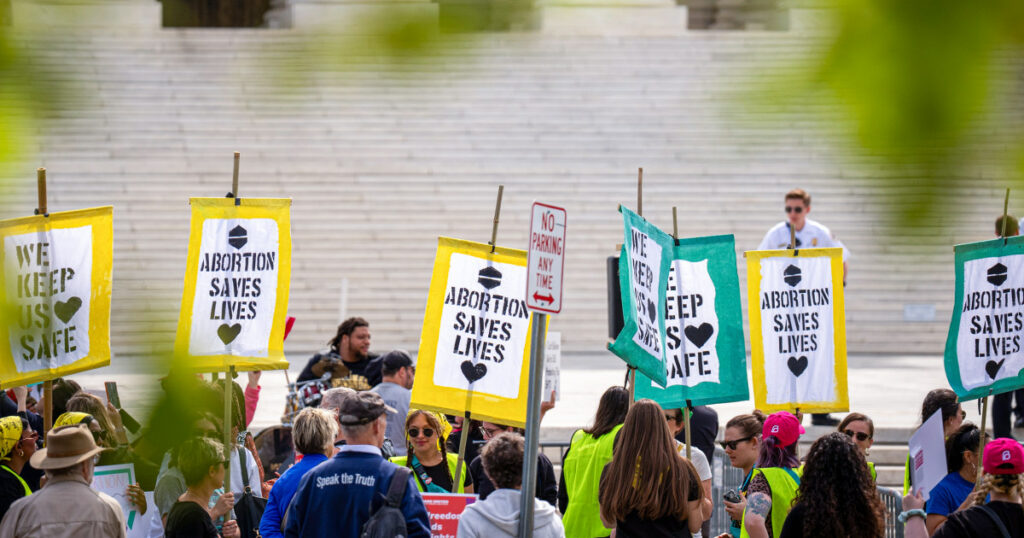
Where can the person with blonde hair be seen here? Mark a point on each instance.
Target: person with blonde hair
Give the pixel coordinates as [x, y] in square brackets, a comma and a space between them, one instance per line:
[313, 433]
[433, 467]
[647, 489]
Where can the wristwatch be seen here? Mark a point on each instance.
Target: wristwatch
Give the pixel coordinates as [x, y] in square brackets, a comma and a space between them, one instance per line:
[904, 516]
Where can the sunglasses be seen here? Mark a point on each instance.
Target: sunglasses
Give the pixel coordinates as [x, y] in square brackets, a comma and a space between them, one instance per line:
[415, 432]
[673, 418]
[488, 433]
[731, 445]
[861, 436]
[794, 209]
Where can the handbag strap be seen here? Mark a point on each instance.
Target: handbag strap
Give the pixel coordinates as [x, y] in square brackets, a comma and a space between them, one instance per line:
[243, 465]
[995, 519]
[396, 490]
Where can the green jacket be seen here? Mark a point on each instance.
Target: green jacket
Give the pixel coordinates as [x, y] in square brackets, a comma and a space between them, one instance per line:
[453, 460]
[784, 484]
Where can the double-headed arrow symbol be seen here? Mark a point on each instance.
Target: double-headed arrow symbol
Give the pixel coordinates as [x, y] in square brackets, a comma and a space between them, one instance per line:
[546, 298]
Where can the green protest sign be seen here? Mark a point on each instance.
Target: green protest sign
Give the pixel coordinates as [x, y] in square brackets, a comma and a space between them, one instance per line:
[983, 350]
[643, 279]
[705, 355]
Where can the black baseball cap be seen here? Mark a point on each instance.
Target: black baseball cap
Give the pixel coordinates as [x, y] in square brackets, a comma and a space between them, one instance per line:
[362, 408]
[394, 360]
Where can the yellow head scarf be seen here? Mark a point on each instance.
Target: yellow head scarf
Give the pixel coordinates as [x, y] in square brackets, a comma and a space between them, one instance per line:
[446, 427]
[70, 418]
[10, 434]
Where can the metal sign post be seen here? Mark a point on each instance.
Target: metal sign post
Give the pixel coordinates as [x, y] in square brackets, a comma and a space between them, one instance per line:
[544, 269]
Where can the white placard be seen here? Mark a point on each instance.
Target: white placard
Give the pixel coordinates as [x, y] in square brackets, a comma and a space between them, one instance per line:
[928, 455]
[989, 343]
[552, 366]
[691, 325]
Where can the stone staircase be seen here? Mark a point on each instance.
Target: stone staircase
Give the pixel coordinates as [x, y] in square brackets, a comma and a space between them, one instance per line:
[380, 161]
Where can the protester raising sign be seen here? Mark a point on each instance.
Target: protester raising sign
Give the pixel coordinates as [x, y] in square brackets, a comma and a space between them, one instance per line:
[236, 285]
[706, 357]
[476, 334]
[55, 294]
[643, 278]
[798, 329]
[983, 351]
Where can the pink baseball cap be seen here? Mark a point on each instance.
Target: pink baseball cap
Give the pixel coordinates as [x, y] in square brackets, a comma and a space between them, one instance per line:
[1004, 456]
[784, 426]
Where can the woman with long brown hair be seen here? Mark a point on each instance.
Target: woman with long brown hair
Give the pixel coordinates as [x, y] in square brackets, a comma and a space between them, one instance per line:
[647, 489]
[837, 496]
[431, 463]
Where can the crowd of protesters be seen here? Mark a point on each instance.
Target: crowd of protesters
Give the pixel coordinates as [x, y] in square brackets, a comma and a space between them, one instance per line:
[359, 462]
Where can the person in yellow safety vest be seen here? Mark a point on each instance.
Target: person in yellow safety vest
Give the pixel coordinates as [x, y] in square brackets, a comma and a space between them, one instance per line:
[432, 466]
[582, 464]
[837, 497]
[17, 444]
[776, 478]
[861, 429]
[953, 414]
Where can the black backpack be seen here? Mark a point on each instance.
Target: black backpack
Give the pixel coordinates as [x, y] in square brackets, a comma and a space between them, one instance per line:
[248, 508]
[388, 521]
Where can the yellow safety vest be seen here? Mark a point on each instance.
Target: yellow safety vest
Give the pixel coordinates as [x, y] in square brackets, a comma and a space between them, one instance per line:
[453, 461]
[28, 490]
[582, 466]
[784, 486]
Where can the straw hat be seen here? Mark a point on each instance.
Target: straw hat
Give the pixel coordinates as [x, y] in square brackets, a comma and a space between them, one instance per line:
[66, 446]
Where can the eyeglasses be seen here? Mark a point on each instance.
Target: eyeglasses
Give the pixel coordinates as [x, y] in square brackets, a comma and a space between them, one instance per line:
[794, 209]
[673, 418]
[489, 433]
[861, 436]
[31, 437]
[415, 432]
[731, 445]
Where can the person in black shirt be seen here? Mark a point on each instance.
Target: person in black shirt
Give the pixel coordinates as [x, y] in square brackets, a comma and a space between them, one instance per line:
[202, 463]
[647, 490]
[546, 488]
[349, 358]
[17, 444]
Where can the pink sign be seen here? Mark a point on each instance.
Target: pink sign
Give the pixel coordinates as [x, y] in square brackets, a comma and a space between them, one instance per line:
[445, 509]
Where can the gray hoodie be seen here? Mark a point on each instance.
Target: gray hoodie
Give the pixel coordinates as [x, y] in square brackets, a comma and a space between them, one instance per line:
[498, 515]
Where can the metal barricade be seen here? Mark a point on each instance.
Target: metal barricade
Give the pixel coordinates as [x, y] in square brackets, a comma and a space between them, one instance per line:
[723, 478]
[893, 506]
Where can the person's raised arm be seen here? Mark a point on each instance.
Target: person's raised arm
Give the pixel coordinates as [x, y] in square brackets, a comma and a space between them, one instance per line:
[915, 526]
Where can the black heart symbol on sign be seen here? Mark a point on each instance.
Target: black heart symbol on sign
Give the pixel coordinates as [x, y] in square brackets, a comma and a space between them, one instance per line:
[652, 311]
[472, 371]
[699, 335]
[992, 367]
[66, 310]
[797, 366]
[228, 333]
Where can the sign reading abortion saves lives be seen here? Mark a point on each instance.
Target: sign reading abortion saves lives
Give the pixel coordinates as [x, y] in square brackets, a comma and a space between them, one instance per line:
[706, 357]
[476, 334]
[984, 348]
[798, 329]
[56, 284]
[236, 288]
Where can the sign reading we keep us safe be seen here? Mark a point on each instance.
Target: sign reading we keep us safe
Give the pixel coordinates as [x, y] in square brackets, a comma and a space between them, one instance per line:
[983, 350]
[643, 278]
[235, 302]
[798, 329]
[475, 343]
[55, 294]
[706, 356]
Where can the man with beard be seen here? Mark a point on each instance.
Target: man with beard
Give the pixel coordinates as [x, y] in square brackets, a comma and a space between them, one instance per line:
[349, 359]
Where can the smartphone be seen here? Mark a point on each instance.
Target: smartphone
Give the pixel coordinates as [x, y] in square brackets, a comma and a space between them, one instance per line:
[112, 397]
[731, 496]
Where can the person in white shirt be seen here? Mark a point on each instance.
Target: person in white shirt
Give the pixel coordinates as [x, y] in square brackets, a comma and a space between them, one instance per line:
[809, 234]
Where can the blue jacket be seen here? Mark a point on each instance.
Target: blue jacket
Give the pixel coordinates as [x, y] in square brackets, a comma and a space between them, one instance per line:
[334, 499]
[281, 494]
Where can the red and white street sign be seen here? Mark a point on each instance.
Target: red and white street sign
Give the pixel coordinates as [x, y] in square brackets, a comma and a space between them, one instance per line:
[546, 260]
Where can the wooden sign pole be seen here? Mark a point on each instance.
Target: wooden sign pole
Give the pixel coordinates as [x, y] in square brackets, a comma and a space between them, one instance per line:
[689, 405]
[631, 372]
[466, 430]
[230, 374]
[48, 384]
[984, 400]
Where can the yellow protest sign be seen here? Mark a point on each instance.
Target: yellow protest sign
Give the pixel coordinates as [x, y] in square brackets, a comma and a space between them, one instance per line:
[235, 300]
[797, 329]
[55, 294]
[475, 344]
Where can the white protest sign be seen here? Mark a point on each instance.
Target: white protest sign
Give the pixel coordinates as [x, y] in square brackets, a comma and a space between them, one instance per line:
[546, 258]
[114, 480]
[928, 455]
[691, 325]
[552, 366]
[989, 340]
